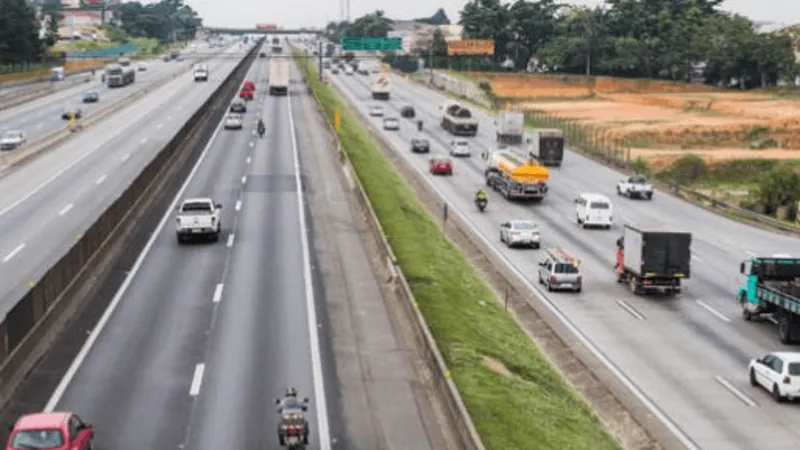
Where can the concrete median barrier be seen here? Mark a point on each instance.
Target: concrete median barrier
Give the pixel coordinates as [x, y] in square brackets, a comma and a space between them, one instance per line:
[32, 93]
[30, 326]
[15, 158]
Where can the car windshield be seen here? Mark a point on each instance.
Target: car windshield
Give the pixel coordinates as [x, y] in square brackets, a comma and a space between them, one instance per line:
[11, 134]
[523, 225]
[234, 117]
[638, 180]
[38, 439]
[197, 207]
[90, 94]
[462, 143]
[794, 369]
[599, 205]
[566, 268]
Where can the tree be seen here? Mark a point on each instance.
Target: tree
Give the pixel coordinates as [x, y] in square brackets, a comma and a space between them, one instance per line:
[438, 18]
[371, 25]
[19, 33]
[51, 14]
[778, 188]
[167, 20]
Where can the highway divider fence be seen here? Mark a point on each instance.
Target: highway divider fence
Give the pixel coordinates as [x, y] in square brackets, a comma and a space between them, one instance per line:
[32, 323]
[443, 385]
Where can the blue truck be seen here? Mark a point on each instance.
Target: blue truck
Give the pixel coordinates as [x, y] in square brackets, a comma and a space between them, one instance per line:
[772, 293]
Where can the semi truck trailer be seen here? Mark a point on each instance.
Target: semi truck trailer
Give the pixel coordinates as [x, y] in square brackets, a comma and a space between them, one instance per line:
[278, 77]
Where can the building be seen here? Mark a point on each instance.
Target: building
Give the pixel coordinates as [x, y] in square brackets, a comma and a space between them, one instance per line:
[417, 35]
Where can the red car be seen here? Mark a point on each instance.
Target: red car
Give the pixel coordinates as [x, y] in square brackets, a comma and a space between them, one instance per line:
[441, 166]
[249, 85]
[53, 431]
[246, 94]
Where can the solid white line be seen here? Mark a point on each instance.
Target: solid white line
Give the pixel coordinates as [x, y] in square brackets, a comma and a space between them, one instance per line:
[197, 380]
[101, 179]
[125, 158]
[101, 324]
[713, 311]
[238, 205]
[636, 314]
[218, 293]
[244, 179]
[736, 392]
[65, 210]
[14, 253]
[230, 240]
[316, 356]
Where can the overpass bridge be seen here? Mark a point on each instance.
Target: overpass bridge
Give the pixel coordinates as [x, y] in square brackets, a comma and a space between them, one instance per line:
[237, 31]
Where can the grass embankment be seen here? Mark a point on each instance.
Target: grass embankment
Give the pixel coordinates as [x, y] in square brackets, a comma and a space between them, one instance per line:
[528, 407]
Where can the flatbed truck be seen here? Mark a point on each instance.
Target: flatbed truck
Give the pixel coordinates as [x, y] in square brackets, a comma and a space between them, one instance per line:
[772, 292]
[652, 260]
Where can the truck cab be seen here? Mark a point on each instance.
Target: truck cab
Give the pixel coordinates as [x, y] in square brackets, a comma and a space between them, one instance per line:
[198, 217]
[771, 291]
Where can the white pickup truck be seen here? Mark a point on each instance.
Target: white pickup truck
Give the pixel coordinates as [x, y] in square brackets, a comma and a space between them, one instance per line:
[635, 187]
[198, 217]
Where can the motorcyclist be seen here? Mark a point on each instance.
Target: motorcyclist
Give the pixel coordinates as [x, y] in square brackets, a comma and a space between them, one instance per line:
[290, 402]
[480, 195]
[419, 125]
[261, 128]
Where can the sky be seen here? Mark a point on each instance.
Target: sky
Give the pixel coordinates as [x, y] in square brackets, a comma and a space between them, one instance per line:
[316, 13]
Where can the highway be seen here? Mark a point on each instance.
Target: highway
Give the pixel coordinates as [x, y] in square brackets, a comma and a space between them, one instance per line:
[62, 192]
[201, 338]
[41, 117]
[684, 357]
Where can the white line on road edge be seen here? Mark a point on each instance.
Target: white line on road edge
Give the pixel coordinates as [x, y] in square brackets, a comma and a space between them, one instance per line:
[713, 311]
[197, 380]
[65, 210]
[14, 253]
[244, 179]
[101, 179]
[101, 324]
[316, 356]
[238, 205]
[552, 306]
[230, 240]
[125, 158]
[630, 309]
[218, 293]
[736, 392]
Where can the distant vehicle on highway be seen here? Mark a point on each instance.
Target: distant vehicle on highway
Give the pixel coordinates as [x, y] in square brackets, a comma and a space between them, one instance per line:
[199, 217]
[778, 373]
[391, 124]
[52, 431]
[12, 139]
[635, 186]
[141, 67]
[238, 106]
[460, 147]
[520, 233]
[249, 85]
[376, 111]
[70, 111]
[420, 145]
[234, 121]
[166, 58]
[408, 112]
[560, 270]
[440, 166]
[91, 97]
[246, 94]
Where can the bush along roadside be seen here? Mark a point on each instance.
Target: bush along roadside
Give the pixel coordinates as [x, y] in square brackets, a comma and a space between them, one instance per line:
[514, 396]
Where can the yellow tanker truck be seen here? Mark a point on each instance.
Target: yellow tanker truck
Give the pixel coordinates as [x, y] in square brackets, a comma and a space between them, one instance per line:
[514, 176]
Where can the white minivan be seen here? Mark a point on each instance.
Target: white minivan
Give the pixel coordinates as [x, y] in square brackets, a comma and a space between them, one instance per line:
[593, 210]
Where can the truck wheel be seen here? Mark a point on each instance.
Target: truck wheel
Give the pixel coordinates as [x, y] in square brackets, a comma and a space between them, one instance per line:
[180, 239]
[784, 330]
[632, 286]
[776, 394]
[753, 381]
[649, 195]
[619, 191]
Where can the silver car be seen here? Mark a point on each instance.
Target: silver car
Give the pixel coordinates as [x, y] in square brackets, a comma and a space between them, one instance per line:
[390, 123]
[560, 271]
[12, 139]
[376, 111]
[234, 122]
[520, 233]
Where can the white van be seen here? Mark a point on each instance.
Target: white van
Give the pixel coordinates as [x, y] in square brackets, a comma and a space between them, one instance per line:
[593, 210]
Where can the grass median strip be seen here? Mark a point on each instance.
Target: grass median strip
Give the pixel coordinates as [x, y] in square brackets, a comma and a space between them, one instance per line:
[515, 397]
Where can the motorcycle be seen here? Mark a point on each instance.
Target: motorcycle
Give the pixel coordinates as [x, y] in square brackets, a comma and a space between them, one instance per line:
[419, 125]
[292, 430]
[481, 204]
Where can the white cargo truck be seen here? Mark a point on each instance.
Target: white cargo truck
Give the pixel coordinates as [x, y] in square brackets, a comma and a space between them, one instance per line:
[278, 77]
[201, 73]
[510, 127]
[198, 217]
[381, 87]
[547, 146]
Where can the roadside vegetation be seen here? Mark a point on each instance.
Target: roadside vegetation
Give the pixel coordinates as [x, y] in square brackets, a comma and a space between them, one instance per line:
[515, 397]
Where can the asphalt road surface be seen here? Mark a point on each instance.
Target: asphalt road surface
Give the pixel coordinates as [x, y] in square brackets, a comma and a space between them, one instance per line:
[41, 117]
[201, 338]
[686, 357]
[48, 202]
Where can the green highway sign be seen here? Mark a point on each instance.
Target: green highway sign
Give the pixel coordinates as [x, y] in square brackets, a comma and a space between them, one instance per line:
[379, 44]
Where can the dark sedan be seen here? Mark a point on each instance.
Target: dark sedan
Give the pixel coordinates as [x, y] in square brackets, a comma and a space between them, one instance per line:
[71, 111]
[408, 112]
[91, 97]
[420, 145]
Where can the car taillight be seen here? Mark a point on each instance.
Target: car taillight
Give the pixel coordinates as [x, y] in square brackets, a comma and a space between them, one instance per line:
[787, 380]
[553, 279]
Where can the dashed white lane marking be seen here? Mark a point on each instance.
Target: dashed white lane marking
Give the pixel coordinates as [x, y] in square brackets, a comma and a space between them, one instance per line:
[41, 124]
[244, 179]
[630, 310]
[736, 392]
[14, 253]
[247, 161]
[169, 117]
[125, 158]
[238, 205]
[143, 140]
[230, 240]
[160, 126]
[218, 293]
[197, 380]
[101, 179]
[65, 210]
[713, 311]
[252, 144]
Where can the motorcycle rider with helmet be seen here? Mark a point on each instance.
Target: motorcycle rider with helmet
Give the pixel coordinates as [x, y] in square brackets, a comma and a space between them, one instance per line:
[290, 402]
[480, 196]
[261, 128]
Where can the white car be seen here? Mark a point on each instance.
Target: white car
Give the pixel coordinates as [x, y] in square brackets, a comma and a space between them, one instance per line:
[234, 122]
[460, 147]
[141, 67]
[515, 233]
[376, 111]
[390, 123]
[635, 187]
[349, 70]
[778, 373]
[12, 139]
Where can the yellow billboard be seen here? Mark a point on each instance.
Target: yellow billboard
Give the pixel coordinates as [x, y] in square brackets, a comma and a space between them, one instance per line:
[471, 47]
